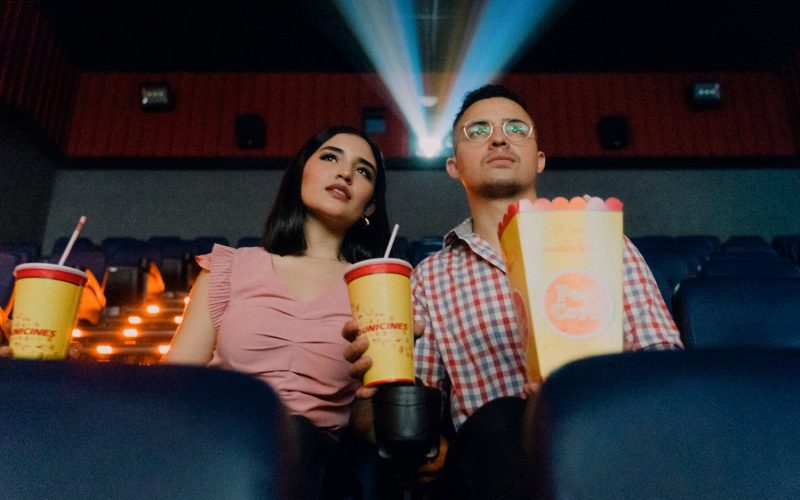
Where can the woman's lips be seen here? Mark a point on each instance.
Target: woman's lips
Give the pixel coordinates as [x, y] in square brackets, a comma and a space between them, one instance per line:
[339, 191]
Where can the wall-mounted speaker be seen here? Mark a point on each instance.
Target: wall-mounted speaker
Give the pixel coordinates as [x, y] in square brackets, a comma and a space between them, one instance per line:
[705, 95]
[614, 132]
[251, 131]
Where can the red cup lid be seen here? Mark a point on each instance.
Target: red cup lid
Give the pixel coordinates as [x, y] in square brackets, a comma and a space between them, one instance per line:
[51, 271]
[377, 266]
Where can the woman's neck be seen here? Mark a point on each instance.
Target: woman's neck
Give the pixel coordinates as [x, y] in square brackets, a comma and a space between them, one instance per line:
[321, 242]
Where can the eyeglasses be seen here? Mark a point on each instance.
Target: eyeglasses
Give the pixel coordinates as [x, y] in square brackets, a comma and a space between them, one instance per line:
[515, 130]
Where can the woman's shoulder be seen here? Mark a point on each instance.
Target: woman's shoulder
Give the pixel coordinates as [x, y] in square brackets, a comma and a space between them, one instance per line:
[225, 256]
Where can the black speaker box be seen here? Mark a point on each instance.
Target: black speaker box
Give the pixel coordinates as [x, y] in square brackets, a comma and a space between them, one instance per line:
[614, 132]
[251, 131]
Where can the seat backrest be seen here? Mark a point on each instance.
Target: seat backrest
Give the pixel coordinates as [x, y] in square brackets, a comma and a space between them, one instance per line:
[8, 261]
[174, 264]
[29, 251]
[419, 249]
[124, 251]
[118, 431]
[86, 258]
[704, 243]
[204, 244]
[81, 242]
[746, 243]
[737, 312]
[674, 264]
[721, 268]
[788, 247]
[667, 425]
[248, 241]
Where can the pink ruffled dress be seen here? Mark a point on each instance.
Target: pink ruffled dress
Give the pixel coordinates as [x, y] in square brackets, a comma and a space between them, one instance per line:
[294, 347]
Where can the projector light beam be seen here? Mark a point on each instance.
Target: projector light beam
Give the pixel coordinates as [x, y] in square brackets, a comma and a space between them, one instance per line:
[494, 33]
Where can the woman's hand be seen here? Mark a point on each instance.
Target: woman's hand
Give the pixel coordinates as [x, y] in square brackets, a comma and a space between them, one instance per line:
[5, 330]
[354, 353]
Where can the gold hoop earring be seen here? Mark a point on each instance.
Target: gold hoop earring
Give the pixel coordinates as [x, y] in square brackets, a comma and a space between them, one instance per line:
[365, 220]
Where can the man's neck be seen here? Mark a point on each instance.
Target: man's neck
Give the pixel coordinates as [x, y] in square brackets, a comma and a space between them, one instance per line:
[487, 215]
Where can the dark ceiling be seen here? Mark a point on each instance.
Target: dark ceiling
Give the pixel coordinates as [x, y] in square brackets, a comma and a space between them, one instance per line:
[307, 35]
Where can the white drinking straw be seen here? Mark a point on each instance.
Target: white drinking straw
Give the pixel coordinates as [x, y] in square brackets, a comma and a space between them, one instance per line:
[72, 239]
[391, 241]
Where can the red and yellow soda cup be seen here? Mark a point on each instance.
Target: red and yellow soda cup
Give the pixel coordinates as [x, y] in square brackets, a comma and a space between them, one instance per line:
[46, 298]
[380, 297]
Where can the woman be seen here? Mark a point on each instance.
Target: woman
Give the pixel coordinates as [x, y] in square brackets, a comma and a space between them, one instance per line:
[276, 312]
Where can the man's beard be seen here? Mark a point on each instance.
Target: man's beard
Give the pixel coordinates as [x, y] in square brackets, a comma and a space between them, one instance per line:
[500, 190]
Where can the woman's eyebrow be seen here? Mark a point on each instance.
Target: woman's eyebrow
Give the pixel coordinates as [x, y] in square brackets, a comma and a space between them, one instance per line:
[367, 163]
[359, 160]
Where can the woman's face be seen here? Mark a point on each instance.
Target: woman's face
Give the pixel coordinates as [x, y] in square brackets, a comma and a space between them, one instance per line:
[339, 180]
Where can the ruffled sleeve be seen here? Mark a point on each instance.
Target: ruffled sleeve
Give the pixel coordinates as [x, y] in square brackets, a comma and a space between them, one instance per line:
[220, 263]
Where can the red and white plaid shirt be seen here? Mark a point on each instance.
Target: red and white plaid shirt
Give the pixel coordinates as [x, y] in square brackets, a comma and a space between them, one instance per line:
[472, 349]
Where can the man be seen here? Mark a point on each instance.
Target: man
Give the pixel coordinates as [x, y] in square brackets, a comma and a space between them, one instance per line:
[471, 348]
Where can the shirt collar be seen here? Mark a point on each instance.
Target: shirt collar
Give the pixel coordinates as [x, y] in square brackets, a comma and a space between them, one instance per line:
[463, 233]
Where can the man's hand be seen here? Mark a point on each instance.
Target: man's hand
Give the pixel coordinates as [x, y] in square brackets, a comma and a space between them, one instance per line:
[531, 389]
[432, 470]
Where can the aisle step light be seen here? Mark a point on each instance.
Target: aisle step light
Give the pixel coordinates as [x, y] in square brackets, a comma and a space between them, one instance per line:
[104, 349]
[163, 348]
[130, 332]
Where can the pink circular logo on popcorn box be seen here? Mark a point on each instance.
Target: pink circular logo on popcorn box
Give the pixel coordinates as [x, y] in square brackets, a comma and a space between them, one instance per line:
[577, 305]
[46, 299]
[380, 298]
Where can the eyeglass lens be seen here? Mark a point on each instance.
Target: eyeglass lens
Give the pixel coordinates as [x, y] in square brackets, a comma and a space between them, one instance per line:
[481, 130]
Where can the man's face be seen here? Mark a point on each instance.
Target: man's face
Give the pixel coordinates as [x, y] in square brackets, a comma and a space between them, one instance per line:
[497, 168]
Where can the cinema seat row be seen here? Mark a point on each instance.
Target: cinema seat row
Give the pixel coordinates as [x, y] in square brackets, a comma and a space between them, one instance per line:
[717, 291]
[705, 423]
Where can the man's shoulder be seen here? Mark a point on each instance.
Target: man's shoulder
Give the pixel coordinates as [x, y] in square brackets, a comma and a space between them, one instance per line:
[437, 258]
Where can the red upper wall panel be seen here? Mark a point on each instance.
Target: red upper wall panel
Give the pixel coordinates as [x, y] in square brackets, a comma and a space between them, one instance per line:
[109, 122]
[35, 73]
[753, 119]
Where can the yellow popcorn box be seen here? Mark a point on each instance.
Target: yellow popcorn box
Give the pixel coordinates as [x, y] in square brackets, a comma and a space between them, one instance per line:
[564, 262]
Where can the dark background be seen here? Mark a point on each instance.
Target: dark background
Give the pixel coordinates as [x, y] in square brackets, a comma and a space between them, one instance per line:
[307, 35]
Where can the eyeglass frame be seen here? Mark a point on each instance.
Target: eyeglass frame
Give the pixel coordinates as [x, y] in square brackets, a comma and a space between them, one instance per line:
[531, 131]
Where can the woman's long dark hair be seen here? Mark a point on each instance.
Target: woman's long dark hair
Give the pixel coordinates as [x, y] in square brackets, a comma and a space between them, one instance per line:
[283, 231]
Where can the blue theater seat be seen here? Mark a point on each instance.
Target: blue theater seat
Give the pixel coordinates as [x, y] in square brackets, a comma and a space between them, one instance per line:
[788, 247]
[28, 251]
[175, 252]
[746, 243]
[419, 249]
[738, 312]
[204, 244]
[8, 261]
[754, 268]
[86, 258]
[667, 425]
[75, 430]
[705, 244]
[248, 241]
[81, 242]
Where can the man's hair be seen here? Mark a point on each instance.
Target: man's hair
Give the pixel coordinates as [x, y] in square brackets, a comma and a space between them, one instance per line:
[487, 92]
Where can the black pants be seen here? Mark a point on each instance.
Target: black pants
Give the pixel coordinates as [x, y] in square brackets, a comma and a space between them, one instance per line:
[327, 466]
[485, 457]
